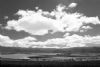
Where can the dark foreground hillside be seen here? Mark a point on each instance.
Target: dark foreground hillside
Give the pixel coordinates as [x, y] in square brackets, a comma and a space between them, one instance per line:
[50, 63]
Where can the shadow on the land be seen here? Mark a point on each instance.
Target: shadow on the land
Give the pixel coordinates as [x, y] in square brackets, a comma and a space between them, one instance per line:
[50, 63]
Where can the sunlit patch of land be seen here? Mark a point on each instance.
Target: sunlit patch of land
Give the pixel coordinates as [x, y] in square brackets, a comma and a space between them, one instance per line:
[46, 59]
[52, 57]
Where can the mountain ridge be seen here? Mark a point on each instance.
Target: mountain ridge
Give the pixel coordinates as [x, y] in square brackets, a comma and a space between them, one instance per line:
[49, 50]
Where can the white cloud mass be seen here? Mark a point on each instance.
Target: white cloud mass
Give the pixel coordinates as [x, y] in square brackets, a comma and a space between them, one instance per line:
[72, 5]
[40, 22]
[66, 42]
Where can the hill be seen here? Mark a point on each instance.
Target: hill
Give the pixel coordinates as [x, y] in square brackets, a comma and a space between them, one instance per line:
[12, 50]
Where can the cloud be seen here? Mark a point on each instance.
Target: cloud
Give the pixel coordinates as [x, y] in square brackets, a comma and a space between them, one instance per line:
[5, 41]
[93, 40]
[34, 23]
[85, 28]
[33, 43]
[72, 5]
[65, 42]
[40, 22]
[92, 20]
[24, 42]
[6, 17]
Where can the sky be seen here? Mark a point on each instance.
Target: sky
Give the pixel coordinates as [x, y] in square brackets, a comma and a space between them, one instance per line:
[49, 23]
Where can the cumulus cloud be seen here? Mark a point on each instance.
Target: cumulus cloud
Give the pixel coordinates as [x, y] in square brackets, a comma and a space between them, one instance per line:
[34, 23]
[65, 42]
[5, 41]
[31, 42]
[92, 20]
[93, 40]
[87, 27]
[72, 5]
[6, 17]
[39, 22]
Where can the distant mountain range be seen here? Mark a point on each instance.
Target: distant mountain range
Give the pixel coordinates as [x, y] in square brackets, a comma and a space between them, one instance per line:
[13, 50]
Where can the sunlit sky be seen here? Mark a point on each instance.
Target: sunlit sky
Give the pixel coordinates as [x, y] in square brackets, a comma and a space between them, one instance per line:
[49, 23]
